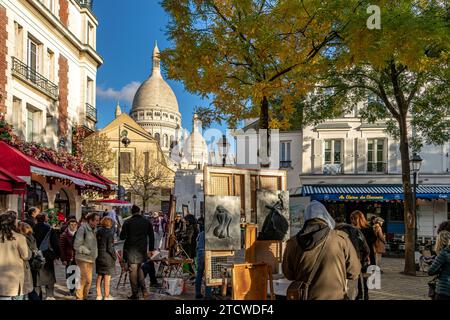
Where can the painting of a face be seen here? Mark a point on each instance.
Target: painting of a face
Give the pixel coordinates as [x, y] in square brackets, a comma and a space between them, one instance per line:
[222, 223]
[273, 215]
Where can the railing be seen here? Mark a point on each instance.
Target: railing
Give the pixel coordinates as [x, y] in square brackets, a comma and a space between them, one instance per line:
[285, 164]
[91, 112]
[89, 4]
[29, 75]
[376, 167]
[331, 169]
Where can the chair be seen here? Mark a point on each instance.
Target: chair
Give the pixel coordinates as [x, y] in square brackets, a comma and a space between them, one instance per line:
[123, 269]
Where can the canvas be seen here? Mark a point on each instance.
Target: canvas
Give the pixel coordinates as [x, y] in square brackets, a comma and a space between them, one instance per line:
[222, 223]
[273, 215]
[297, 208]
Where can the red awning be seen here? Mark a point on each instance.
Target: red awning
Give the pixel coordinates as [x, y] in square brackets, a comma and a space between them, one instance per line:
[23, 166]
[10, 183]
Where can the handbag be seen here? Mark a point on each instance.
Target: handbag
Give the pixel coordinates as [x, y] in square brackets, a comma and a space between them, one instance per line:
[432, 287]
[37, 261]
[298, 289]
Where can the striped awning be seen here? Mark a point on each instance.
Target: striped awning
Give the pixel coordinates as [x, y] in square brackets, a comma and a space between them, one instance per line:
[373, 192]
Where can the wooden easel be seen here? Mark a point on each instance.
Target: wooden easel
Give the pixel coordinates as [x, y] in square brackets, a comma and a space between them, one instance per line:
[249, 281]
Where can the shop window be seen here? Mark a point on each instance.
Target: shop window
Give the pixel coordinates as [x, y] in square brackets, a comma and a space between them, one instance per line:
[36, 197]
[376, 155]
[62, 202]
[125, 162]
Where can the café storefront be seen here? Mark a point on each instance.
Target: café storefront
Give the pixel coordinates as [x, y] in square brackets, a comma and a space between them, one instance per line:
[385, 201]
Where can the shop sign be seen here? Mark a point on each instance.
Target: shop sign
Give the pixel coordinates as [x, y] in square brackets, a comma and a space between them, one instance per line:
[361, 197]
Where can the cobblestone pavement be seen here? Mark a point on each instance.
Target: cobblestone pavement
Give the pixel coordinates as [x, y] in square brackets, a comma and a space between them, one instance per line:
[394, 285]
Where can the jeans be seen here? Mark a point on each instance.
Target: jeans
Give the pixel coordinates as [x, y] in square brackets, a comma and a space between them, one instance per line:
[199, 276]
[86, 269]
[23, 297]
[363, 290]
[137, 279]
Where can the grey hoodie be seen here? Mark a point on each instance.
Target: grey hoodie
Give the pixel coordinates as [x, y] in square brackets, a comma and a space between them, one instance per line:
[85, 244]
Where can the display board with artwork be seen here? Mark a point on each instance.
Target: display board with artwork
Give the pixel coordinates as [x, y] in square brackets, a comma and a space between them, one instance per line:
[222, 223]
[273, 215]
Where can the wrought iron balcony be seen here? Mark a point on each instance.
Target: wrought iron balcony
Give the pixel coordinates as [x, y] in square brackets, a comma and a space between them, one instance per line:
[89, 4]
[285, 164]
[332, 169]
[27, 74]
[377, 167]
[91, 112]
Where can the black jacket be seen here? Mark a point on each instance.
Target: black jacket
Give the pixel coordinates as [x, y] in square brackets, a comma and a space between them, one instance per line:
[371, 238]
[359, 242]
[106, 258]
[138, 235]
[40, 230]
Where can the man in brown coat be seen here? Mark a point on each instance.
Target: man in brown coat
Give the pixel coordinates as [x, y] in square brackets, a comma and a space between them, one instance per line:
[340, 260]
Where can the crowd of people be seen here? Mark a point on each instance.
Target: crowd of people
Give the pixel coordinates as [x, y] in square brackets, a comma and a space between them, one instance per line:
[329, 260]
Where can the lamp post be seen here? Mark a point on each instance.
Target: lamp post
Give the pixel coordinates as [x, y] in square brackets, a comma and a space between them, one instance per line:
[223, 149]
[416, 162]
[123, 139]
[194, 199]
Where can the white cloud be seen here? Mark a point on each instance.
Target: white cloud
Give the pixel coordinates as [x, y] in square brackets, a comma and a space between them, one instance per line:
[126, 94]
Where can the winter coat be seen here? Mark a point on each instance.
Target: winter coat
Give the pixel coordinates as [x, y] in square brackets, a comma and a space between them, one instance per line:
[13, 256]
[371, 238]
[106, 259]
[66, 246]
[30, 275]
[46, 275]
[441, 268]
[358, 241]
[138, 235]
[340, 261]
[85, 244]
[380, 243]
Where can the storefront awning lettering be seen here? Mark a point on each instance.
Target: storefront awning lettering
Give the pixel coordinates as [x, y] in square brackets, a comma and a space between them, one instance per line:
[22, 165]
[372, 193]
[9, 183]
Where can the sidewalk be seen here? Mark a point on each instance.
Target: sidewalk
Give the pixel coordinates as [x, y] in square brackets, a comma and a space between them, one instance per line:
[394, 285]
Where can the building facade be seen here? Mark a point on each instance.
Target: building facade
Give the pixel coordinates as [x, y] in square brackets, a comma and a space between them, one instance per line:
[48, 63]
[50, 66]
[142, 155]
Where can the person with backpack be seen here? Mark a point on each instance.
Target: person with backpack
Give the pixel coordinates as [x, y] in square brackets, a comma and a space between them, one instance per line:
[319, 259]
[66, 246]
[14, 254]
[363, 252]
[441, 267]
[86, 252]
[358, 220]
[47, 241]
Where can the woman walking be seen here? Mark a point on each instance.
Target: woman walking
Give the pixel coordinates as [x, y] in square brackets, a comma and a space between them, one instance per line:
[85, 245]
[380, 242]
[106, 260]
[441, 266]
[358, 220]
[47, 241]
[30, 274]
[14, 254]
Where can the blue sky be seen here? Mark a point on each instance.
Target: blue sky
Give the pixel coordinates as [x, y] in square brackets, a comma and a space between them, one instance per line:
[125, 38]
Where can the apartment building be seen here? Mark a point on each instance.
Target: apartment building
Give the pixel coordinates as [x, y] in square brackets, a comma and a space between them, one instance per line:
[49, 62]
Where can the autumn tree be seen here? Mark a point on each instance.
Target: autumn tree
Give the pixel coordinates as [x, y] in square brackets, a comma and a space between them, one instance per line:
[148, 179]
[96, 149]
[243, 54]
[402, 71]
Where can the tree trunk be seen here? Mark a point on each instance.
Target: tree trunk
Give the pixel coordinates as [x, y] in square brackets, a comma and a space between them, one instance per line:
[409, 215]
[144, 207]
[264, 125]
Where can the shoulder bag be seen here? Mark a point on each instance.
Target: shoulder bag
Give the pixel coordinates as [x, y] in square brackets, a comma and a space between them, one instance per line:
[299, 290]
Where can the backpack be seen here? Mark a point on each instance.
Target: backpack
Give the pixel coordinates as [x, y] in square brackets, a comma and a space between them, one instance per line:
[37, 260]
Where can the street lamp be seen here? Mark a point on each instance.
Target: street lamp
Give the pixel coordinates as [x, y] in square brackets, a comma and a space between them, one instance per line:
[416, 163]
[123, 139]
[194, 199]
[223, 149]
